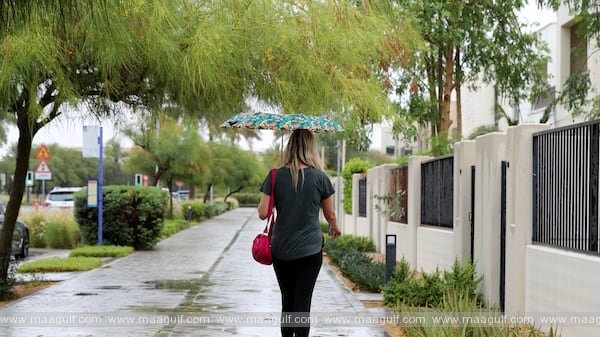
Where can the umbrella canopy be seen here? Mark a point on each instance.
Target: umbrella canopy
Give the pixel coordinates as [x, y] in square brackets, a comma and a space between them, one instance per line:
[269, 121]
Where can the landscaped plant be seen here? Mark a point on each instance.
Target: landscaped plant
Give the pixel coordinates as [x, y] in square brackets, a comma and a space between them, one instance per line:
[171, 227]
[52, 229]
[462, 316]
[56, 264]
[355, 165]
[194, 210]
[101, 251]
[133, 216]
[248, 199]
[428, 290]
[348, 253]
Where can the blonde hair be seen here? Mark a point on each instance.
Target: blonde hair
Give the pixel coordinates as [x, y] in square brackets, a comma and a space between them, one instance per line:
[301, 150]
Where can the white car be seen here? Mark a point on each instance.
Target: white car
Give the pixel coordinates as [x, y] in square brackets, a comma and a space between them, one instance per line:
[61, 197]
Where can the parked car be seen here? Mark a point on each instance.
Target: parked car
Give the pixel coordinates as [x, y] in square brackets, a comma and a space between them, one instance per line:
[61, 197]
[20, 243]
[181, 195]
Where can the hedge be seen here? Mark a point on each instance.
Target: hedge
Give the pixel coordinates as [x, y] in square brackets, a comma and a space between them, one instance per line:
[248, 199]
[133, 216]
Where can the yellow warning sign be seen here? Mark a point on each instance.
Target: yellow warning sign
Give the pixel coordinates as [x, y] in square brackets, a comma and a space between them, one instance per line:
[43, 153]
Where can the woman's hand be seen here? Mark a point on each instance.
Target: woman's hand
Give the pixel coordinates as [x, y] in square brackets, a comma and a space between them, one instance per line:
[334, 231]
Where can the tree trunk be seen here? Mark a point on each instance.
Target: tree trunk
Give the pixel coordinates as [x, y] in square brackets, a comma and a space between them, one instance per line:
[232, 192]
[458, 83]
[207, 195]
[192, 192]
[16, 196]
[170, 187]
[445, 120]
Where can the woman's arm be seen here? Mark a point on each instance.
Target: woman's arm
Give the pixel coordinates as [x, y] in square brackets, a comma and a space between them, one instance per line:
[329, 213]
[263, 206]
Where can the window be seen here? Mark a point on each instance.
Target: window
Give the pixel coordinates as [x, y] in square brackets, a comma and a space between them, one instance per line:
[579, 53]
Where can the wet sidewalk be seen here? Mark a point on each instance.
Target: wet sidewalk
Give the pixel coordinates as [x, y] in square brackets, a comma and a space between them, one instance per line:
[205, 271]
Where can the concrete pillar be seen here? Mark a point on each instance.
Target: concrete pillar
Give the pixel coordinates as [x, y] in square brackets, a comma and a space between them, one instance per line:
[518, 212]
[464, 158]
[355, 178]
[490, 151]
[414, 205]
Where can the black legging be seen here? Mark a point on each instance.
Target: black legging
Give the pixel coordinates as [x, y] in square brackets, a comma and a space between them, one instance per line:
[297, 280]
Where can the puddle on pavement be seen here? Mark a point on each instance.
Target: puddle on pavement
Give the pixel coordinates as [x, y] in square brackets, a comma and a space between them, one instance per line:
[110, 287]
[177, 285]
[86, 294]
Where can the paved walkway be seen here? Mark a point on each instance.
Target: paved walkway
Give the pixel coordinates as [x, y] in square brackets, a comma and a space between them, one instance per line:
[202, 273]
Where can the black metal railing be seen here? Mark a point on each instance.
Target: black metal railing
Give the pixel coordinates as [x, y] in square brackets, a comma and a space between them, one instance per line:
[362, 197]
[565, 187]
[437, 192]
[399, 194]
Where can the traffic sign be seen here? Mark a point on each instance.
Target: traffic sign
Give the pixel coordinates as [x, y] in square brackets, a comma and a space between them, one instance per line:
[43, 153]
[179, 183]
[43, 171]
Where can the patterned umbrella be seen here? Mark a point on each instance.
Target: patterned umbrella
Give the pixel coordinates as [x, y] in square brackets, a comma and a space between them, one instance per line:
[269, 121]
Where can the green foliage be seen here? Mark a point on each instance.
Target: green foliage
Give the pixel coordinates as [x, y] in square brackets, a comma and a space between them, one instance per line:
[56, 264]
[441, 145]
[57, 229]
[482, 130]
[325, 227]
[248, 199]
[101, 251]
[61, 234]
[171, 227]
[402, 161]
[367, 274]
[133, 216]
[406, 289]
[348, 253]
[349, 242]
[36, 223]
[468, 35]
[469, 312]
[354, 165]
[199, 210]
[218, 207]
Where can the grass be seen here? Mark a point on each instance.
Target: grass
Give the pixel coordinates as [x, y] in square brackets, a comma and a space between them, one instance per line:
[101, 251]
[56, 264]
[171, 227]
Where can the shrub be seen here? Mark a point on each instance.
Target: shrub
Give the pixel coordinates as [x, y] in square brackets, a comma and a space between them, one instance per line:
[52, 229]
[36, 222]
[133, 216]
[454, 305]
[325, 227]
[347, 253]
[101, 251]
[361, 244]
[199, 210]
[248, 199]
[218, 207]
[429, 290]
[171, 227]
[355, 165]
[363, 271]
[63, 235]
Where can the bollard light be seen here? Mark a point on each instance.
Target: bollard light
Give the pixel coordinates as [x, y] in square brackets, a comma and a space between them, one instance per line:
[390, 256]
[189, 213]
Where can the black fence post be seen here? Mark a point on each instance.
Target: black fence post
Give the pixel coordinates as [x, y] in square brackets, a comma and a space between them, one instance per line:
[593, 201]
[390, 256]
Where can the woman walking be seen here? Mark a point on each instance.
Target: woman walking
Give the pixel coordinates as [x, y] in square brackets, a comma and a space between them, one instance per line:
[301, 190]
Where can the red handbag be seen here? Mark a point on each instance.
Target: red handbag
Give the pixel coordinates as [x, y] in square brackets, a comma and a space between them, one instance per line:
[261, 247]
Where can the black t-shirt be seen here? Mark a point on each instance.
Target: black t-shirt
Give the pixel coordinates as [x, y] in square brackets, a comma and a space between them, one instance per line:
[297, 231]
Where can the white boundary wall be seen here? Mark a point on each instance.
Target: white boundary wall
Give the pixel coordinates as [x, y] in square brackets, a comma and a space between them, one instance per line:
[538, 279]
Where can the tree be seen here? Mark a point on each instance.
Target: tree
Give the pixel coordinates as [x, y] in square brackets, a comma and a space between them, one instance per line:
[463, 41]
[207, 56]
[577, 95]
[169, 155]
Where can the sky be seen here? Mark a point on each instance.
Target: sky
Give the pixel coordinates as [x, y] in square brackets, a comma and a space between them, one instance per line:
[67, 130]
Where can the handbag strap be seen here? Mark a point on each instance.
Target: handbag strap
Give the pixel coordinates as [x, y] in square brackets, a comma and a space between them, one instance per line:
[270, 220]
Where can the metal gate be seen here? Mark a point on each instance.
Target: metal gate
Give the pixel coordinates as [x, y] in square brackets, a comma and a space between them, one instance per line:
[504, 167]
[472, 213]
